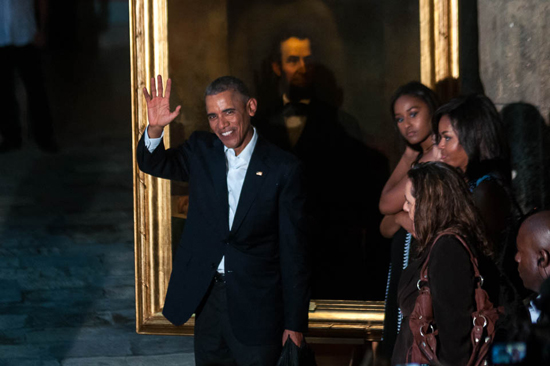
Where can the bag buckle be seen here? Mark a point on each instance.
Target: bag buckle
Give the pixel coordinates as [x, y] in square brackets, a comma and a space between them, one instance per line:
[430, 327]
[484, 320]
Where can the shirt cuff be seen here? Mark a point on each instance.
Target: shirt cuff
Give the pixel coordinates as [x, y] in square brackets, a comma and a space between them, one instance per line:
[152, 144]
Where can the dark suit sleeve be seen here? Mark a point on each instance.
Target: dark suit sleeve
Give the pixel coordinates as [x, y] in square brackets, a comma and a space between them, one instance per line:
[451, 277]
[168, 164]
[292, 249]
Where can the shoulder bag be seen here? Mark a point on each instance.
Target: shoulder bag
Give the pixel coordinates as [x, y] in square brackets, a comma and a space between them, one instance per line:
[422, 322]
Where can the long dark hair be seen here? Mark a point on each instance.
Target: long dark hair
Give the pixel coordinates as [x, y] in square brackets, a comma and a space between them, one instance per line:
[480, 132]
[444, 203]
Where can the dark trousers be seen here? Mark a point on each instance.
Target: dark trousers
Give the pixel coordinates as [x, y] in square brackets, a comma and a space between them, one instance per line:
[25, 60]
[215, 343]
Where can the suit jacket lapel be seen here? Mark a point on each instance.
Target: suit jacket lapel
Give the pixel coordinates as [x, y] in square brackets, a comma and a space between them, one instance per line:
[218, 171]
[278, 133]
[252, 182]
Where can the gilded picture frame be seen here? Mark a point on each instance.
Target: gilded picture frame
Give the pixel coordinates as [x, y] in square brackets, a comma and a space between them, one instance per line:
[328, 319]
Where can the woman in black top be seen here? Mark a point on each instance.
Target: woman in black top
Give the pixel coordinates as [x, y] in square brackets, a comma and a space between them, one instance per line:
[471, 137]
[438, 199]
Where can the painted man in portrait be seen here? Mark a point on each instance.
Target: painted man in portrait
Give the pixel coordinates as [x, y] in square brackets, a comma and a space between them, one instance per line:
[303, 117]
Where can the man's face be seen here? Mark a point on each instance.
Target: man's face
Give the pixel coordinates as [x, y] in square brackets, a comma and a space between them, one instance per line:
[527, 257]
[229, 116]
[295, 58]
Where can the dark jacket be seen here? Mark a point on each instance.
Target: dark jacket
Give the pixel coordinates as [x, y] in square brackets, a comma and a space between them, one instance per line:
[265, 251]
[452, 285]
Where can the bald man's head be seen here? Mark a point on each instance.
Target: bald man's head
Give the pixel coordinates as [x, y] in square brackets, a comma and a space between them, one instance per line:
[533, 254]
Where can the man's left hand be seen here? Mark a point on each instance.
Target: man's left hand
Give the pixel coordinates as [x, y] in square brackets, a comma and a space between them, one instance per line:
[296, 337]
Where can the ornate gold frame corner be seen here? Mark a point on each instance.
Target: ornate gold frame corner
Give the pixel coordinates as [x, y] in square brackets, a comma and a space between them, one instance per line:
[328, 319]
[439, 56]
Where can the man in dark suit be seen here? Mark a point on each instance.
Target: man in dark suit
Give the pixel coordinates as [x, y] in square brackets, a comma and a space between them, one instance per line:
[241, 262]
[533, 257]
[304, 118]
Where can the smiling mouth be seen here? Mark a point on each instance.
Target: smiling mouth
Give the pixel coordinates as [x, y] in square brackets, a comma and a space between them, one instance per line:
[225, 134]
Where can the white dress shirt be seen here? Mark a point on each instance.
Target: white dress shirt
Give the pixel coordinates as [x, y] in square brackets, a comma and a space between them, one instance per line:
[294, 124]
[534, 312]
[236, 167]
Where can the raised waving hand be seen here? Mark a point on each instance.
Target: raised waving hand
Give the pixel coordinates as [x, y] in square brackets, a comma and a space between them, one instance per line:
[158, 107]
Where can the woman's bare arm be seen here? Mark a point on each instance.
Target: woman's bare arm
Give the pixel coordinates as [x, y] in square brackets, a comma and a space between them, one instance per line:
[388, 226]
[393, 194]
[391, 223]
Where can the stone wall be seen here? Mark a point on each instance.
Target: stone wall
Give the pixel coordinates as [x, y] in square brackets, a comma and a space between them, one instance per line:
[514, 49]
[514, 52]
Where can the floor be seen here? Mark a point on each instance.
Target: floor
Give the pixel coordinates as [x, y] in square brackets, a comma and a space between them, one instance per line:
[66, 226]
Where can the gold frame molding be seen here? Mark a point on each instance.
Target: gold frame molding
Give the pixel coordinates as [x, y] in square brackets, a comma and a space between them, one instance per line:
[359, 320]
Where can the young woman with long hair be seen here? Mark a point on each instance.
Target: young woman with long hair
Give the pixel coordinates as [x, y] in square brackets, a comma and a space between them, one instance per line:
[412, 107]
[471, 137]
[438, 200]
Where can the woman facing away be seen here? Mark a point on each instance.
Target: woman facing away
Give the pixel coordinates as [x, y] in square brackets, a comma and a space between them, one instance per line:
[471, 138]
[437, 200]
[412, 107]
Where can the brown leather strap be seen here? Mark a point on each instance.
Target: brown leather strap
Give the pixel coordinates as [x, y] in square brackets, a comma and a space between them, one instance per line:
[485, 315]
[473, 259]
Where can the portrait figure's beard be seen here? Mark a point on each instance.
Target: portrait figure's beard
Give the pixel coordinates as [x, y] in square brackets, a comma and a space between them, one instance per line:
[300, 87]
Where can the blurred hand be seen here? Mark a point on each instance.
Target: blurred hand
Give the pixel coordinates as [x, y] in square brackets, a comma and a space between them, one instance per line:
[296, 337]
[158, 107]
[434, 154]
[410, 153]
[402, 219]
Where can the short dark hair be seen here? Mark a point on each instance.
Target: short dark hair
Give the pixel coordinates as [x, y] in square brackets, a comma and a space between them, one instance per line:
[283, 35]
[417, 90]
[444, 203]
[226, 83]
[480, 131]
